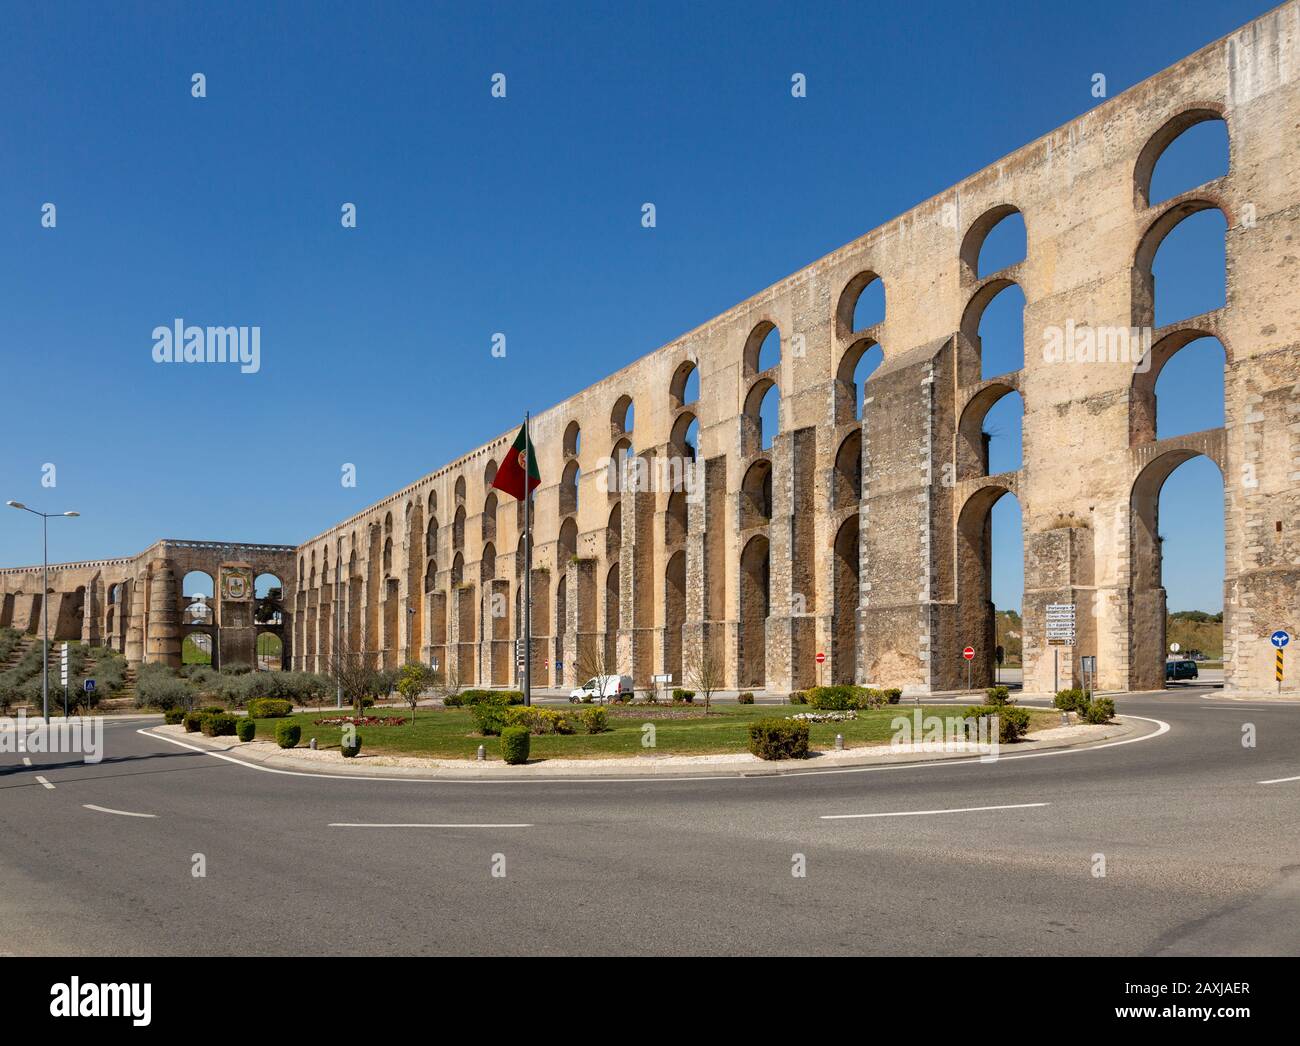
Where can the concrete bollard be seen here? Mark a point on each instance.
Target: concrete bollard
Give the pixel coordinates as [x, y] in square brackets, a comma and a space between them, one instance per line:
[312, 744]
[482, 753]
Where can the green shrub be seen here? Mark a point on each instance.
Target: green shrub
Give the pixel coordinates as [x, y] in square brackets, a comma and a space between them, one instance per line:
[1071, 700]
[218, 724]
[173, 716]
[287, 734]
[235, 668]
[489, 717]
[453, 700]
[997, 696]
[798, 697]
[893, 695]
[246, 729]
[1013, 722]
[1099, 710]
[162, 689]
[683, 695]
[269, 707]
[596, 720]
[537, 720]
[778, 739]
[869, 697]
[515, 741]
[210, 709]
[832, 698]
[494, 697]
[350, 751]
[192, 721]
[746, 698]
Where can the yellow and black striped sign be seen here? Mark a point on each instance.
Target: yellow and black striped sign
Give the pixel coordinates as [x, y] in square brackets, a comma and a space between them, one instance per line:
[1279, 666]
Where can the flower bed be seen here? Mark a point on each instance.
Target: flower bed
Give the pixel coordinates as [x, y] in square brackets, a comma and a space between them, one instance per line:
[362, 720]
[825, 717]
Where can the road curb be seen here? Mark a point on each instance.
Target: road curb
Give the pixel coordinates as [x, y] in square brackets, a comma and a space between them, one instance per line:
[264, 756]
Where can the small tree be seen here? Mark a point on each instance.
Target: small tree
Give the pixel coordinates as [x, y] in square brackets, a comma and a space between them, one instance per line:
[412, 681]
[448, 683]
[356, 675]
[592, 661]
[704, 671]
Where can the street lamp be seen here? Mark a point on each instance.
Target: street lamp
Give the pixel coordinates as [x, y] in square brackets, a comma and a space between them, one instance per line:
[45, 599]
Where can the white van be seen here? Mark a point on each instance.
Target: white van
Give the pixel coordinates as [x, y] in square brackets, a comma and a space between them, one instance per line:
[603, 688]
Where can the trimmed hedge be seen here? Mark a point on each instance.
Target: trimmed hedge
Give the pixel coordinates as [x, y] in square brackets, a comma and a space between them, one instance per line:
[843, 697]
[192, 721]
[287, 735]
[515, 741]
[595, 720]
[778, 739]
[218, 724]
[351, 751]
[684, 695]
[269, 707]
[798, 697]
[745, 699]
[246, 729]
[495, 697]
[173, 716]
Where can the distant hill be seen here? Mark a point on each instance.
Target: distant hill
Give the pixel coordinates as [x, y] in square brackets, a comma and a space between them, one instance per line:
[1196, 630]
[1010, 635]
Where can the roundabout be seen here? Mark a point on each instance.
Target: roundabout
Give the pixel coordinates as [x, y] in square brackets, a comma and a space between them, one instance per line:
[1136, 845]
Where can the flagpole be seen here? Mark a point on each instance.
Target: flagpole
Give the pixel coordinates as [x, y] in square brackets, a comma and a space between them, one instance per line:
[528, 570]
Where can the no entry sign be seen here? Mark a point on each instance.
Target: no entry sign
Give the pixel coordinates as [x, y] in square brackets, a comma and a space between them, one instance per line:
[821, 658]
[969, 653]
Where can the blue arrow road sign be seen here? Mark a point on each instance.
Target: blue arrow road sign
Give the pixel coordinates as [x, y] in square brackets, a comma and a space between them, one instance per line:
[1279, 639]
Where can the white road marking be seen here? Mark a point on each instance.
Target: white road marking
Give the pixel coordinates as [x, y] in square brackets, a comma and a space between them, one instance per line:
[353, 824]
[924, 813]
[671, 779]
[122, 813]
[27, 760]
[1278, 780]
[44, 782]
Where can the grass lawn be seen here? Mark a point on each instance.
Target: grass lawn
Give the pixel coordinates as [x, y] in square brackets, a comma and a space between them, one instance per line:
[449, 733]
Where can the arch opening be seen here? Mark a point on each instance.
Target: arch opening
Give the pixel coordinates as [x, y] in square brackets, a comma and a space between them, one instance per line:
[1171, 523]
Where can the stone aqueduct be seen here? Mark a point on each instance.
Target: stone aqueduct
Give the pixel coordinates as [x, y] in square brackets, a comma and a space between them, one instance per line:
[134, 604]
[863, 530]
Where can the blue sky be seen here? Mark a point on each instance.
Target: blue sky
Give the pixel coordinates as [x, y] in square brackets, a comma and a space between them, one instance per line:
[474, 216]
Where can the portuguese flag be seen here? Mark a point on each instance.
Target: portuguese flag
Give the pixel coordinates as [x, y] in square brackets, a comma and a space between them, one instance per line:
[517, 465]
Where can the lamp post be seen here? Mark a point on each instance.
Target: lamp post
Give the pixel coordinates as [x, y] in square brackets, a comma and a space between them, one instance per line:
[45, 599]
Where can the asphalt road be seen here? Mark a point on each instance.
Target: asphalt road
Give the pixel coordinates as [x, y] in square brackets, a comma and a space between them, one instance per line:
[1200, 857]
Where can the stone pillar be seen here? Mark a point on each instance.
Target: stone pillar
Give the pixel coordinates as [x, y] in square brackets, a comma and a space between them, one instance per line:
[132, 607]
[164, 644]
[908, 610]
[235, 601]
